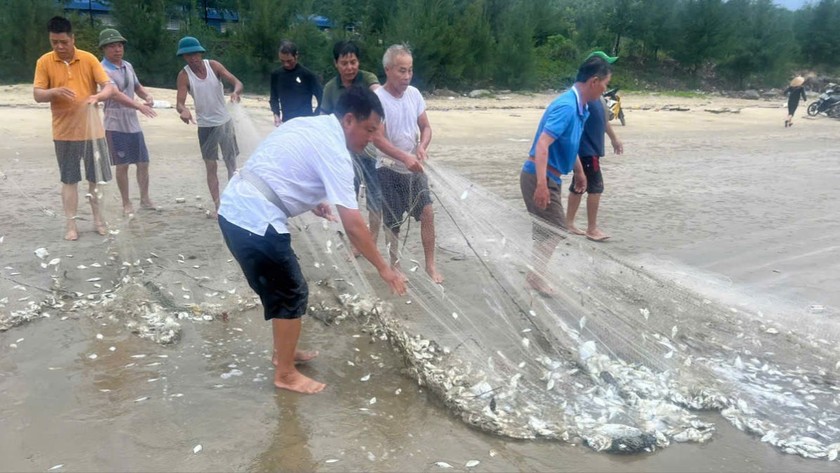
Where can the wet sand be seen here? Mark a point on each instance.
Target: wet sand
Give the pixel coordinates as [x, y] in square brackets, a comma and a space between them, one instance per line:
[735, 196]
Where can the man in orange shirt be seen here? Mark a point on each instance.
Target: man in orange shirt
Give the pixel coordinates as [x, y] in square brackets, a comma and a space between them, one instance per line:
[67, 78]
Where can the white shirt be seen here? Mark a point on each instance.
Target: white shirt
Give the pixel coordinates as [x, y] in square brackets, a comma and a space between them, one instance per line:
[401, 127]
[305, 162]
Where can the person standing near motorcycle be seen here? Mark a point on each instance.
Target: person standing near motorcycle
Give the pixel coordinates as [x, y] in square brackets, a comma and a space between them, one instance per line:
[795, 91]
[590, 152]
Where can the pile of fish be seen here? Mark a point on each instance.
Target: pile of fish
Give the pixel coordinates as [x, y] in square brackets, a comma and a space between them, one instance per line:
[617, 411]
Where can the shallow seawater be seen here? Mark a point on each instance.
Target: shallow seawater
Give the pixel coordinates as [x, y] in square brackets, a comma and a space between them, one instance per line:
[147, 406]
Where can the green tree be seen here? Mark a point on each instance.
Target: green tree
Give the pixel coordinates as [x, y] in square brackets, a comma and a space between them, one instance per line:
[819, 40]
[703, 30]
[151, 47]
[480, 43]
[515, 57]
[762, 44]
[23, 36]
[430, 29]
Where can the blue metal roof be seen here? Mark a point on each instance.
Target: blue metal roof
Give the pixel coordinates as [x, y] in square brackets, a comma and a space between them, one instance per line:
[87, 5]
[321, 21]
[104, 6]
[216, 14]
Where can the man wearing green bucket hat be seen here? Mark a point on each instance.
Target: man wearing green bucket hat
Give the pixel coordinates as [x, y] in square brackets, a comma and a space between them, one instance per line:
[202, 79]
[126, 144]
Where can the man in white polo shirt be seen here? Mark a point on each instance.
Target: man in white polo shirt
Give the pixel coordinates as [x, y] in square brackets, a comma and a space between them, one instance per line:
[303, 165]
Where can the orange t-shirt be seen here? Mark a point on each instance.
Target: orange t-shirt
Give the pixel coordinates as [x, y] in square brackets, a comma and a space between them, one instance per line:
[71, 120]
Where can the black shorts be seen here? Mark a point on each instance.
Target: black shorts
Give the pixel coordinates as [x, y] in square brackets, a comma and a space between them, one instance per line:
[95, 154]
[211, 138]
[592, 171]
[402, 193]
[271, 268]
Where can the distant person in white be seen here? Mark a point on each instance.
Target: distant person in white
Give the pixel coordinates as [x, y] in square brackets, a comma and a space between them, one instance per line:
[303, 165]
[202, 78]
[403, 142]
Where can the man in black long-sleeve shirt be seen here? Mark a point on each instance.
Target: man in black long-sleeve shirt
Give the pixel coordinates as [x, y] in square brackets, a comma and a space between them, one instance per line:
[292, 87]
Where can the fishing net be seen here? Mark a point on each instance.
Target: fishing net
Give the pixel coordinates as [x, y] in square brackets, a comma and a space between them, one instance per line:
[624, 357]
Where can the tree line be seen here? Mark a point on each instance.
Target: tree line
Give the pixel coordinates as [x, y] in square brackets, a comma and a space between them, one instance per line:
[459, 44]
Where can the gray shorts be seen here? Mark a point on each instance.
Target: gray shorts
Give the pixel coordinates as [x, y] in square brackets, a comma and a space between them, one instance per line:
[553, 214]
[95, 155]
[211, 138]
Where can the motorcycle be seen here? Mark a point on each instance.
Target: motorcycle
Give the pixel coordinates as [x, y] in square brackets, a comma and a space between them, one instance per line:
[828, 102]
[613, 99]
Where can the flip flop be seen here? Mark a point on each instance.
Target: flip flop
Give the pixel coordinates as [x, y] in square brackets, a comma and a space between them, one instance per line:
[599, 240]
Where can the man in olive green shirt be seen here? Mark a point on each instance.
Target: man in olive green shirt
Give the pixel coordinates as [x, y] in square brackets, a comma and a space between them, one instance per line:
[346, 55]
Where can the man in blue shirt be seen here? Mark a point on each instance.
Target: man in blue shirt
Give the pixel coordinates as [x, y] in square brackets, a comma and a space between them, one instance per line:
[590, 153]
[553, 153]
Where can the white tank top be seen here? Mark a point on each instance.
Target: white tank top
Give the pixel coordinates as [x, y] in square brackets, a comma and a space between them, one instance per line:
[209, 97]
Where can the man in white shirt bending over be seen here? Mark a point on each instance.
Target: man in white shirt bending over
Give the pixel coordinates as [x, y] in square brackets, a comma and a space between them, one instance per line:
[303, 165]
[403, 141]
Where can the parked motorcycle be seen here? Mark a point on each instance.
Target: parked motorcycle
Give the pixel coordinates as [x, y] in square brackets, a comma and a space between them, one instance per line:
[614, 105]
[828, 102]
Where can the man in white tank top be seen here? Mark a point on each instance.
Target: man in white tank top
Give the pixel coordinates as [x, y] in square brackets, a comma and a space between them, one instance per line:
[202, 79]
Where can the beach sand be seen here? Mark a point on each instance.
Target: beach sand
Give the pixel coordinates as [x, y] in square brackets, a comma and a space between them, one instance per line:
[733, 204]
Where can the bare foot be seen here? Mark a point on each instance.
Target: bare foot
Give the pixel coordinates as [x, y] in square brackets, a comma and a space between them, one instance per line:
[71, 234]
[540, 285]
[301, 356]
[437, 278]
[597, 235]
[147, 205]
[128, 209]
[297, 382]
[575, 230]
[100, 228]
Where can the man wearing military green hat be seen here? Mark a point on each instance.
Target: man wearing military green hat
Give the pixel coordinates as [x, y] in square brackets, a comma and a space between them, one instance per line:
[202, 79]
[126, 143]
